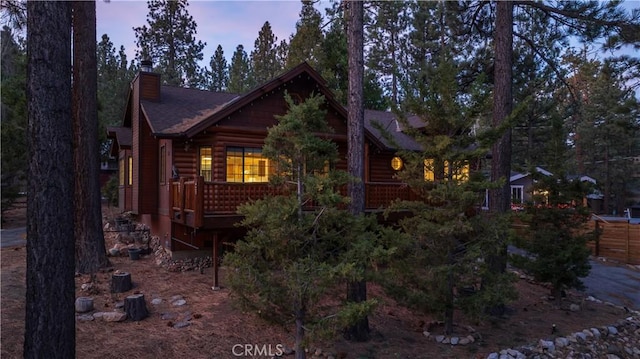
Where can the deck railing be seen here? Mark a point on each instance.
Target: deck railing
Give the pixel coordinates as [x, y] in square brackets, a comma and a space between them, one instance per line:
[192, 199]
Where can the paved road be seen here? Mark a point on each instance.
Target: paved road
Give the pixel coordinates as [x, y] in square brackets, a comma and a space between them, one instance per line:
[616, 284]
[13, 237]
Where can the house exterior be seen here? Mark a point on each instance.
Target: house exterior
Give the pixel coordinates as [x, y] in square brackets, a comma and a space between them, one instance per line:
[522, 187]
[187, 158]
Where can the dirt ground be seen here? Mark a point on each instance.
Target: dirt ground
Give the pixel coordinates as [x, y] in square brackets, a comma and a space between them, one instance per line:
[216, 326]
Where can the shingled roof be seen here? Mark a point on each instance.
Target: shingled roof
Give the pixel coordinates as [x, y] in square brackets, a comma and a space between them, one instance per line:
[121, 134]
[378, 122]
[182, 108]
[185, 112]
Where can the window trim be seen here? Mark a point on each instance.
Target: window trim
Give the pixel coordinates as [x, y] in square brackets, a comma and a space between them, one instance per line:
[209, 177]
[521, 190]
[268, 170]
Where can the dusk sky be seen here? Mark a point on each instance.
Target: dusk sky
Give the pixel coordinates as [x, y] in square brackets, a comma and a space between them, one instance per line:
[228, 23]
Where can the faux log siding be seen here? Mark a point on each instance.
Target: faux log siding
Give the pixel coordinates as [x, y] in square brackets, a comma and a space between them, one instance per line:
[185, 161]
[380, 167]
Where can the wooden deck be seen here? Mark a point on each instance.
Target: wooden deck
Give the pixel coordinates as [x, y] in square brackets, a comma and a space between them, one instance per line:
[196, 203]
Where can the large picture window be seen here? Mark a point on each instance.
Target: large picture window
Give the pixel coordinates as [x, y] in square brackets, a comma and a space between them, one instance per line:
[206, 156]
[460, 170]
[246, 164]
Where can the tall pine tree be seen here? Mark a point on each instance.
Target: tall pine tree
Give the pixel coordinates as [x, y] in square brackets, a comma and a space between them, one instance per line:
[219, 77]
[264, 57]
[294, 256]
[306, 43]
[50, 276]
[169, 41]
[239, 72]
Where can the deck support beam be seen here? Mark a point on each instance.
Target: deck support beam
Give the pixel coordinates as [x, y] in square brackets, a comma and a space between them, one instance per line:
[215, 261]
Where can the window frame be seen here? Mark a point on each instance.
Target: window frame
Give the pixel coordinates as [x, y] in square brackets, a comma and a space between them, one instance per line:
[208, 176]
[520, 189]
[262, 165]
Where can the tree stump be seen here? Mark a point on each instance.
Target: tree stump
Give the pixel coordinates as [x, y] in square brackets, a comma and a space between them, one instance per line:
[136, 307]
[84, 304]
[120, 282]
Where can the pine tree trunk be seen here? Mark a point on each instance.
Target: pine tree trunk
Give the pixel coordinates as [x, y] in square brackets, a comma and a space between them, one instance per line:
[300, 353]
[50, 296]
[90, 246]
[502, 104]
[500, 198]
[448, 311]
[356, 291]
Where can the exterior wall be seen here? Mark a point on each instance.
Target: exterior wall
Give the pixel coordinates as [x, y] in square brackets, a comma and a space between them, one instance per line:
[150, 198]
[159, 226]
[124, 191]
[135, 145]
[380, 167]
[145, 173]
[148, 171]
[164, 186]
[526, 184]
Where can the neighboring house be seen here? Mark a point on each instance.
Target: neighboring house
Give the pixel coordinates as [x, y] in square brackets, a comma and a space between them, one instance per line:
[187, 158]
[522, 187]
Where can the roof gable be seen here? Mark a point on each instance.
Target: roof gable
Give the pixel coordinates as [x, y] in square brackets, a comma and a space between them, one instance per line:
[304, 69]
[184, 112]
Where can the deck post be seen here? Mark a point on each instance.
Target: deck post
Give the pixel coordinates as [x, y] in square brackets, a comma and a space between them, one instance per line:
[215, 262]
[181, 190]
[199, 205]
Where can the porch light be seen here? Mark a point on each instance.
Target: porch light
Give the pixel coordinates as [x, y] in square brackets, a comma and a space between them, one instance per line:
[396, 163]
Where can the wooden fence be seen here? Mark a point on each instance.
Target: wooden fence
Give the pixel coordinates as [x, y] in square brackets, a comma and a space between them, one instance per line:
[617, 240]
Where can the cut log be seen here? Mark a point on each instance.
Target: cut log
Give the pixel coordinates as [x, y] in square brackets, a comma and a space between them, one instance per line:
[136, 307]
[84, 304]
[120, 282]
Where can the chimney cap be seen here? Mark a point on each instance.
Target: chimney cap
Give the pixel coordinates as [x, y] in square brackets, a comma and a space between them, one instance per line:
[146, 65]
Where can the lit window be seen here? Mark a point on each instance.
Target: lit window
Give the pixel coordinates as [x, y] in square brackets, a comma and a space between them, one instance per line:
[130, 182]
[429, 171]
[396, 163]
[459, 172]
[247, 165]
[205, 163]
